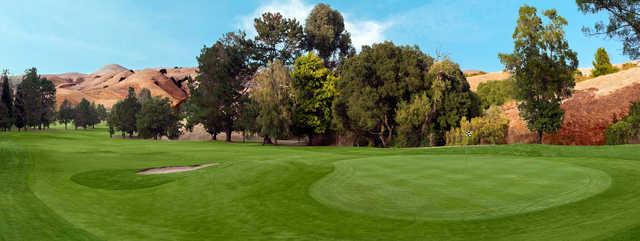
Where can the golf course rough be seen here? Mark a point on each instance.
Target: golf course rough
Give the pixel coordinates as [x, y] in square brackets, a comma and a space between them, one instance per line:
[81, 185]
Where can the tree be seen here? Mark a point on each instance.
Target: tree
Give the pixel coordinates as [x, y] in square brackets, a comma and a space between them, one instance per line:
[113, 120]
[93, 117]
[19, 111]
[496, 92]
[155, 118]
[127, 113]
[6, 103]
[30, 101]
[224, 70]
[278, 38]
[66, 113]
[543, 67]
[414, 121]
[273, 95]
[624, 22]
[601, 64]
[82, 114]
[247, 121]
[372, 85]
[47, 93]
[102, 112]
[314, 89]
[325, 32]
[492, 128]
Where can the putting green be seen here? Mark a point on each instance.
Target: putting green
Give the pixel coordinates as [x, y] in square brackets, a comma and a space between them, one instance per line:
[455, 187]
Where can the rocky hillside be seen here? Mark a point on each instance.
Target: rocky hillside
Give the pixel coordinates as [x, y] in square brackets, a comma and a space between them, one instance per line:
[111, 83]
[593, 107]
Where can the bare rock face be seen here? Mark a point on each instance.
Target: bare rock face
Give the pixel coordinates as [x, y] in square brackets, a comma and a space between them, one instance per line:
[111, 83]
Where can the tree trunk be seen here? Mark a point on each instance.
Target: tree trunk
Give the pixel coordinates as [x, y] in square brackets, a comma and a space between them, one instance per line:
[539, 137]
[214, 137]
[65, 125]
[266, 140]
[228, 133]
[244, 134]
[310, 141]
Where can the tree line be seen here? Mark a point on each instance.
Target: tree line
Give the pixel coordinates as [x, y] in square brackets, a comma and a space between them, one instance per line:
[32, 105]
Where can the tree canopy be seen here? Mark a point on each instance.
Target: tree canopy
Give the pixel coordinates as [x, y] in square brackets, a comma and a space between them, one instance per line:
[623, 22]
[314, 89]
[273, 96]
[543, 66]
[6, 103]
[601, 64]
[325, 32]
[278, 38]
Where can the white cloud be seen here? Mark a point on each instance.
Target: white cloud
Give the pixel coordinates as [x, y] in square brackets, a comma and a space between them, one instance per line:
[363, 32]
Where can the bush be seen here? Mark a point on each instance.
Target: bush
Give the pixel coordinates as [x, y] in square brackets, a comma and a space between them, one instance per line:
[618, 133]
[601, 64]
[621, 132]
[629, 65]
[496, 92]
[492, 128]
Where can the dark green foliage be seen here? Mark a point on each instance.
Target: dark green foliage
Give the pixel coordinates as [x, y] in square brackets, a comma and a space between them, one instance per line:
[623, 131]
[624, 22]
[325, 32]
[219, 89]
[83, 114]
[127, 113]
[102, 112]
[496, 92]
[601, 64]
[278, 38]
[66, 113]
[313, 86]
[247, 122]
[413, 120]
[156, 118]
[375, 81]
[6, 103]
[543, 66]
[35, 101]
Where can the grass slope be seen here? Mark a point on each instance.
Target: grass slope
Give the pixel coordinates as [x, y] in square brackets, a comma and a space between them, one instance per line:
[79, 185]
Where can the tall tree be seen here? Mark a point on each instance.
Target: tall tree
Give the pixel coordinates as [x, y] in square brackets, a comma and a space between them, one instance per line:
[127, 113]
[543, 66]
[82, 114]
[48, 102]
[314, 89]
[224, 70]
[28, 92]
[155, 118]
[273, 95]
[325, 32]
[93, 117]
[6, 103]
[624, 22]
[601, 64]
[65, 113]
[278, 38]
[102, 112]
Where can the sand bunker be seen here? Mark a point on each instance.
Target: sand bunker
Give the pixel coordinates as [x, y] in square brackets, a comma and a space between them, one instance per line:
[166, 170]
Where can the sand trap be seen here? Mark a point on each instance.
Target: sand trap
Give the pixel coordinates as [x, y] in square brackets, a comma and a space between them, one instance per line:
[166, 170]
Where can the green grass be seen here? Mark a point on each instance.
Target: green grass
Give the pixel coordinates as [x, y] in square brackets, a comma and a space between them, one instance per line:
[81, 185]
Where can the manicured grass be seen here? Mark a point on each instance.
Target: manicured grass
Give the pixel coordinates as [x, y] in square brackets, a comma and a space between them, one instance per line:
[81, 185]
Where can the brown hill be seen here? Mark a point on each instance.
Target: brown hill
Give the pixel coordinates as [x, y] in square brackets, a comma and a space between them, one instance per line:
[594, 105]
[111, 83]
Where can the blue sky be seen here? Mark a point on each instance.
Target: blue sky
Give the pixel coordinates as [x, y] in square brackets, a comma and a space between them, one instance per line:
[59, 36]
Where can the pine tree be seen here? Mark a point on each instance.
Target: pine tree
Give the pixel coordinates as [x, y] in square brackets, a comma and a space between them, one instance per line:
[6, 103]
[65, 113]
[601, 64]
[82, 114]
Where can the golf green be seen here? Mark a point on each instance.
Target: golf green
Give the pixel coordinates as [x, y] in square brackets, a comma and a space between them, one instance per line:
[82, 185]
[456, 187]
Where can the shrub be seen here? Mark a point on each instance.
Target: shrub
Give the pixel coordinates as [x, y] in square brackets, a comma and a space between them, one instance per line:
[628, 65]
[601, 64]
[413, 121]
[620, 132]
[496, 92]
[492, 128]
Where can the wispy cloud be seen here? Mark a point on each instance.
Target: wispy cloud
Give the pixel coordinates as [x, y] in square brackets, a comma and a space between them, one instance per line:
[363, 32]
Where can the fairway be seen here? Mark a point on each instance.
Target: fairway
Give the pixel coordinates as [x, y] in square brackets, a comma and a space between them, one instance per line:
[81, 185]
